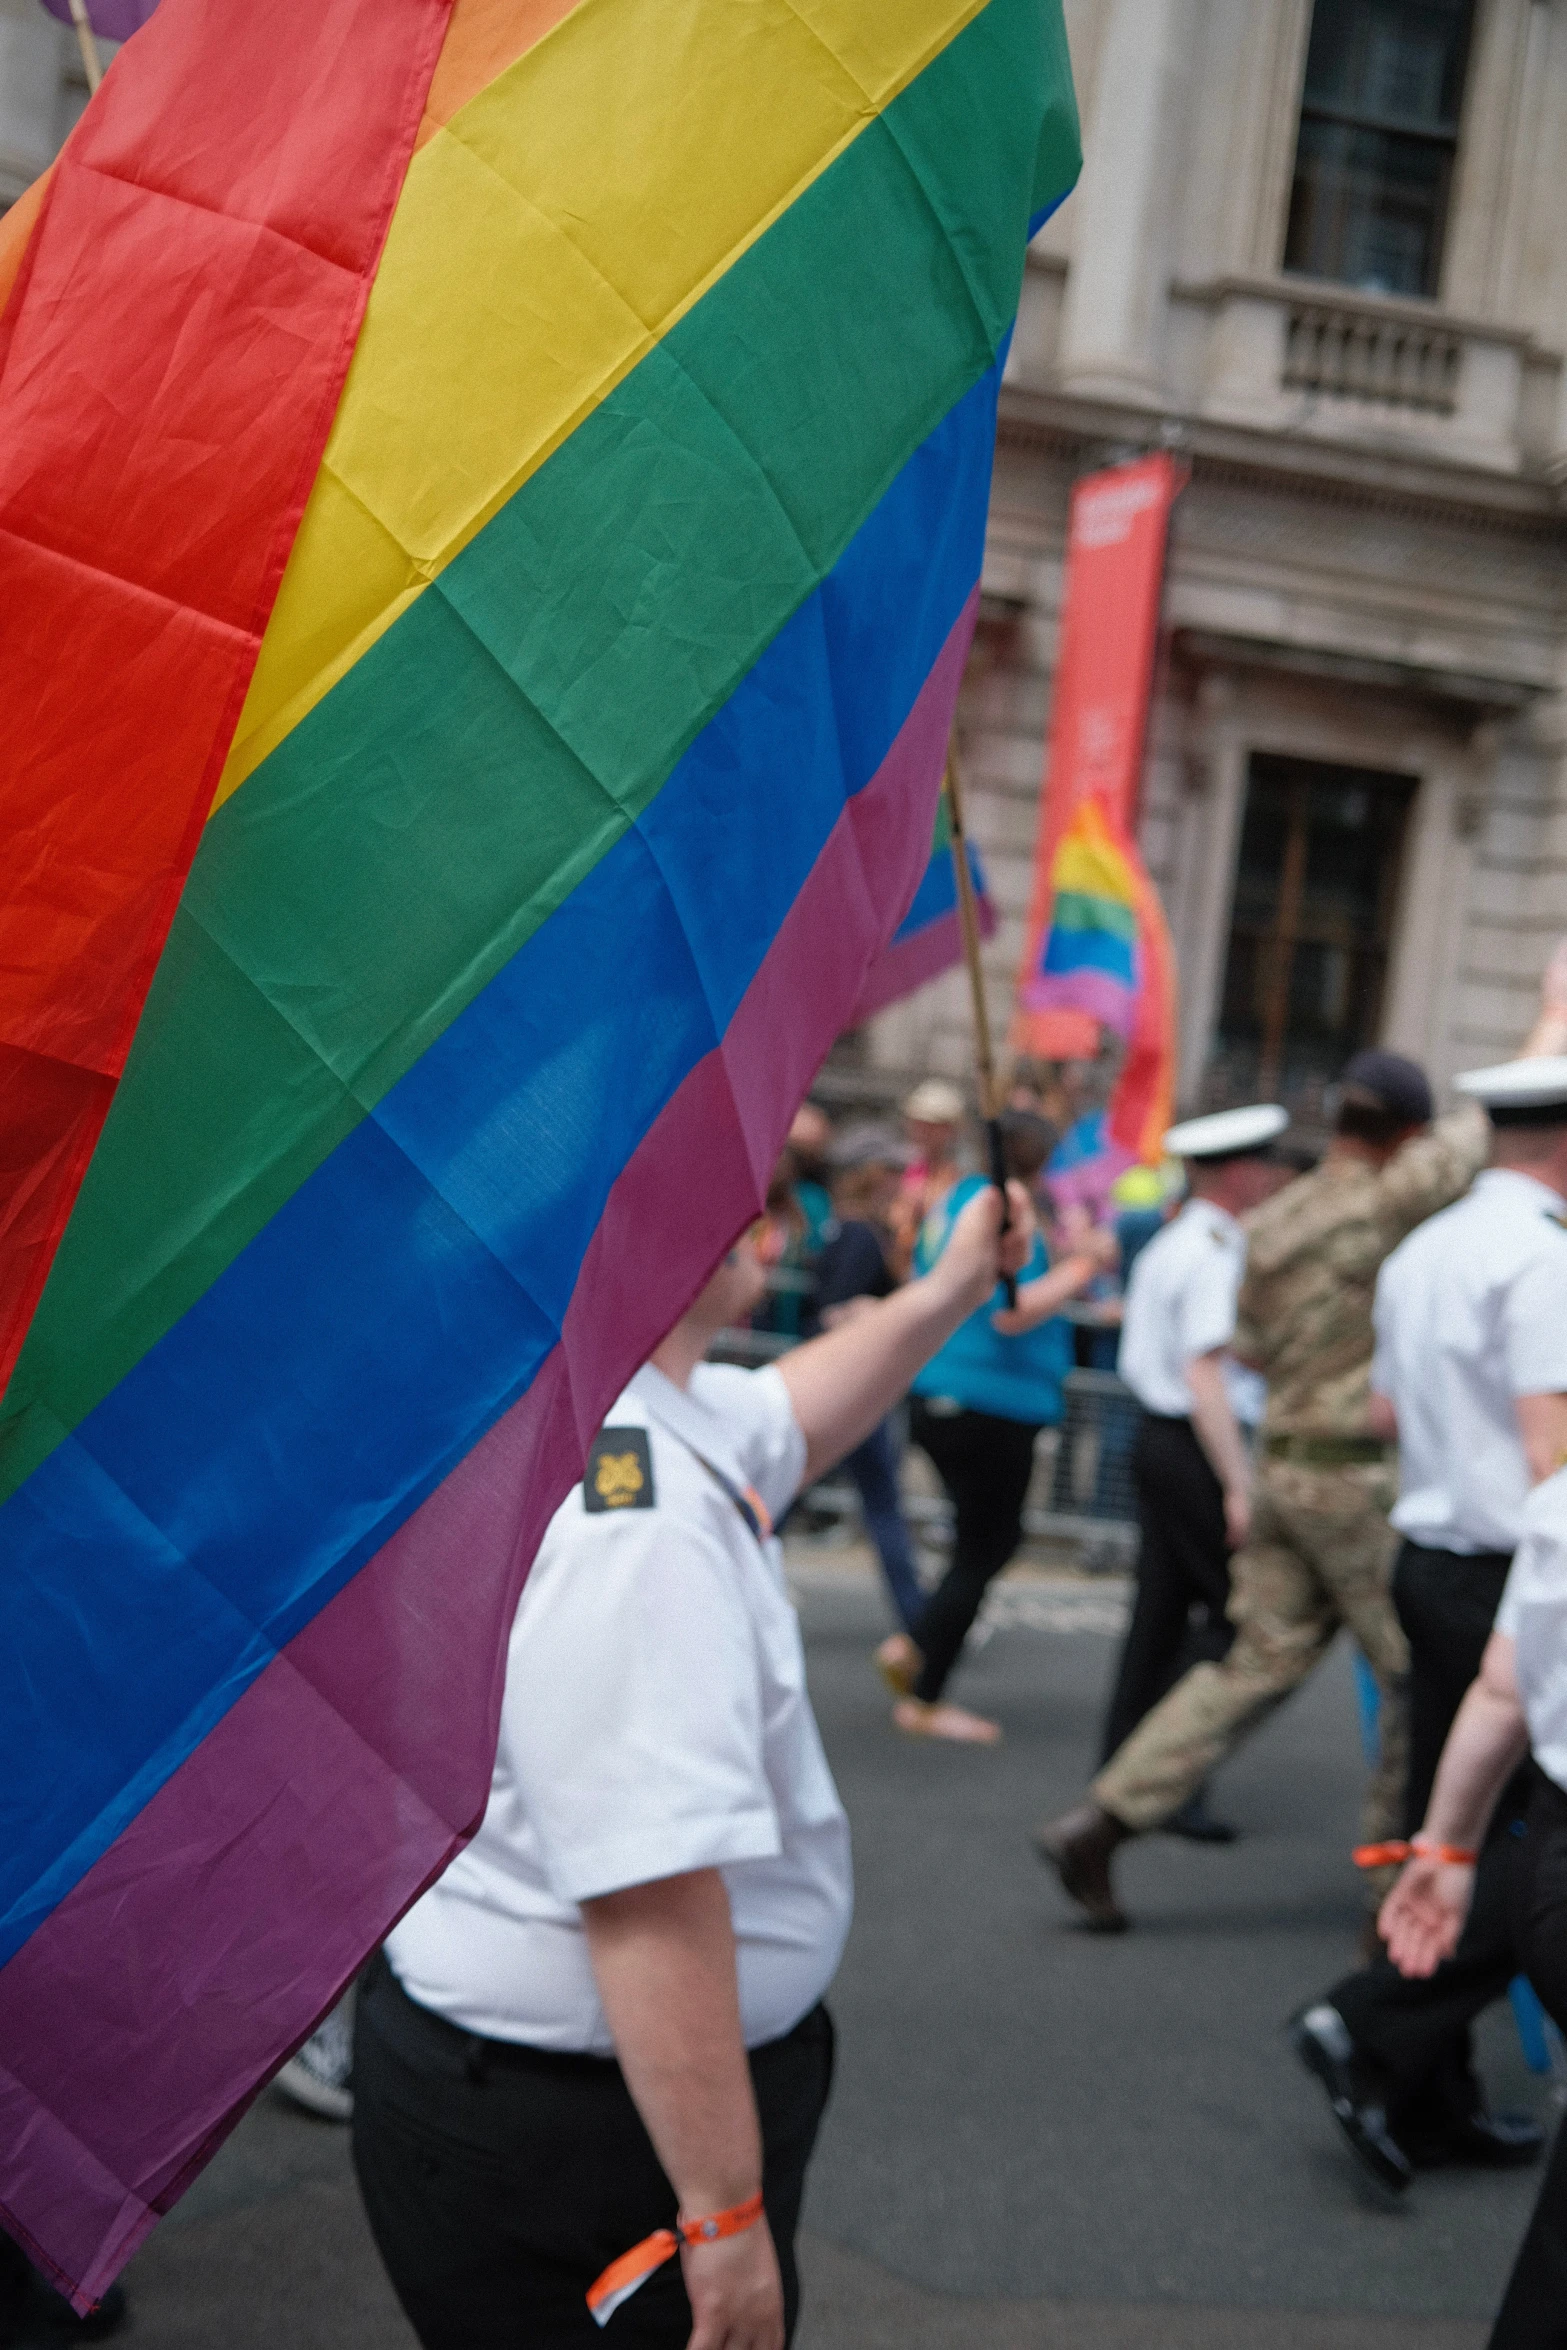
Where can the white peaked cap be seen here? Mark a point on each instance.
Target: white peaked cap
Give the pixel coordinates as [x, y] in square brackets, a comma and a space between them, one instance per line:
[1518, 1085]
[1226, 1133]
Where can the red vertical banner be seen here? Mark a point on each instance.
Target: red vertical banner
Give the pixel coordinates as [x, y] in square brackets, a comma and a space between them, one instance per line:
[1098, 953]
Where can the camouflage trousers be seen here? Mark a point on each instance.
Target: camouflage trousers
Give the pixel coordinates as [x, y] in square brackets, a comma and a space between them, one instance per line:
[1320, 1556]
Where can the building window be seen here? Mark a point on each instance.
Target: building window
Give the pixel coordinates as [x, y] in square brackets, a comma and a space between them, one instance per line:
[1315, 892]
[1378, 139]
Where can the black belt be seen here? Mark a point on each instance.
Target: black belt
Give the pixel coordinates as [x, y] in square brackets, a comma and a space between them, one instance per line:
[428, 2043]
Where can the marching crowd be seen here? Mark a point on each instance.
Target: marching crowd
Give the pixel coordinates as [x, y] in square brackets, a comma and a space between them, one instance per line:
[588, 2067]
[590, 2064]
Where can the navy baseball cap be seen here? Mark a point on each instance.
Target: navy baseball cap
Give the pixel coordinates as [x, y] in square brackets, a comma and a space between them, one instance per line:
[1400, 1087]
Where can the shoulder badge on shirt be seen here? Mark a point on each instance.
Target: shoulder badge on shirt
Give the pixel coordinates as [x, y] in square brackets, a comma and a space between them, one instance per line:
[619, 1474]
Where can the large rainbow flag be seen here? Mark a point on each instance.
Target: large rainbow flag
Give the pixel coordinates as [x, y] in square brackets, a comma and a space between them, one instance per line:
[491, 503]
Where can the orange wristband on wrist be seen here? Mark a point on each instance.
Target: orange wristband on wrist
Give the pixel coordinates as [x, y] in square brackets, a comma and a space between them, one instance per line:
[622, 2277]
[1384, 1856]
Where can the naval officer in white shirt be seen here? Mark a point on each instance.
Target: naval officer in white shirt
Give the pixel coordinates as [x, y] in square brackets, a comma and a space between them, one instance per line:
[1192, 1462]
[1470, 1374]
[1517, 1707]
[590, 2067]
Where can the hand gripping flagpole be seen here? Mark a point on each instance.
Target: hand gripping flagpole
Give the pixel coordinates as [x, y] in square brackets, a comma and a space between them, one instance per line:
[968, 916]
[88, 43]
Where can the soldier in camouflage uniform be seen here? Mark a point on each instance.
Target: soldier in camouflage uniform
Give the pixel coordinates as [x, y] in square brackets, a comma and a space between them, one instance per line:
[1319, 1551]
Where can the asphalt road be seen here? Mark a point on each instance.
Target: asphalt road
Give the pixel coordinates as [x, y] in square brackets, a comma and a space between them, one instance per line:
[1038, 2140]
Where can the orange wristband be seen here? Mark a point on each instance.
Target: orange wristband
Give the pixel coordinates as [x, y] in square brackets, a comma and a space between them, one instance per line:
[622, 2277]
[1383, 1856]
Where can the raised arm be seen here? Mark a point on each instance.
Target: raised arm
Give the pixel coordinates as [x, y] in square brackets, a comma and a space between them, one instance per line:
[843, 1383]
[1038, 1300]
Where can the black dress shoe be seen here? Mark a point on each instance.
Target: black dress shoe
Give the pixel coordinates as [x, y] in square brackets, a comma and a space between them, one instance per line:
[1198, 1824]
[1486, 2141]
[1078, 1847]
[1320, 2038]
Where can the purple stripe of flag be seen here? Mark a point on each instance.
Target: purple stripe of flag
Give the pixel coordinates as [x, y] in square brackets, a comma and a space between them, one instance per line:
[1094, 992]
[909, 962]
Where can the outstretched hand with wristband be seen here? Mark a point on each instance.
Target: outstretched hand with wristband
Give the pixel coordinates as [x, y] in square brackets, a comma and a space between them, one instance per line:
[1423, 1917]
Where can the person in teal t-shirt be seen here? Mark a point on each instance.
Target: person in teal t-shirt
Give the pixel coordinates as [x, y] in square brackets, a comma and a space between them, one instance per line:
[977, 1407]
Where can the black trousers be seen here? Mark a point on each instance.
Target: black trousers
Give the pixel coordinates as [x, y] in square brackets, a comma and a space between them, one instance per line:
[1183, 1574]
[1533, 2315]
[500, 2181]
[1418, 2030]
[985, 1463]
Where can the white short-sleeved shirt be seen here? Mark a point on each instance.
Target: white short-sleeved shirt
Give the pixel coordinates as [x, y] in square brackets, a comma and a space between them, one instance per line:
[1533, 1614]
[1471, 1312]
[655, 1720]
[1180, 1302]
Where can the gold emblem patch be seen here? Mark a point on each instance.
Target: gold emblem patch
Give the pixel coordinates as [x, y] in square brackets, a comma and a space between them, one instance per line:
[619, 1472]
[618, 1479]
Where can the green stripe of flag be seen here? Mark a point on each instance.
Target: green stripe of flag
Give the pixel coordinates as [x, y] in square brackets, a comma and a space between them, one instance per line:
[1074, 909]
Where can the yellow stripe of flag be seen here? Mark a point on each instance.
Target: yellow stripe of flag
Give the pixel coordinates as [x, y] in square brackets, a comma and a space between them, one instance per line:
[545, 239]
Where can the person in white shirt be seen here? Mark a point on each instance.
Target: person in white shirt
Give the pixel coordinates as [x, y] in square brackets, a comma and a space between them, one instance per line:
[1470, 1373]
[1192, 1464]
[598, 2040]
[1516, 1706]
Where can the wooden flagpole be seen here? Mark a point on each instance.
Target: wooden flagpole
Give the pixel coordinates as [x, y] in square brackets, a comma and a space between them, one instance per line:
[88, 43]
[990, 1103]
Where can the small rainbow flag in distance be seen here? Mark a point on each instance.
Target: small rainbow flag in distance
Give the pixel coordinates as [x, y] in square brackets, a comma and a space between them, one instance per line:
[1089, 958]
[492, 500]
[1107, 953]
[929, 939]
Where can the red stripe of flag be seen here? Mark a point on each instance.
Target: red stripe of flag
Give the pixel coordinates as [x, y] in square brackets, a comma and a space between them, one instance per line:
[170, 363]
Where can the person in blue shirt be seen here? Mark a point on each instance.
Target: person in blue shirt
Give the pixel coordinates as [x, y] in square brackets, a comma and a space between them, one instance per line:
[976, 1409]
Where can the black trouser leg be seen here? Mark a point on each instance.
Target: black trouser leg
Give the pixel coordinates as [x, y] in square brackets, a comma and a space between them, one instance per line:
[1182, 1564]
[985, 1464]
[1446, 1605]
[1533, 2315]
[1418, 2030]
[15, 2276]
[499, 2182]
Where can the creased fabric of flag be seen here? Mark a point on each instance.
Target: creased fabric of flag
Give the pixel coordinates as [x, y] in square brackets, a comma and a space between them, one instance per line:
[415, 954]
[929, 939]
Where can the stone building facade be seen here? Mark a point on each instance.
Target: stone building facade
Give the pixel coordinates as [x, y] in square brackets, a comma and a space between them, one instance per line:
[1321, 253]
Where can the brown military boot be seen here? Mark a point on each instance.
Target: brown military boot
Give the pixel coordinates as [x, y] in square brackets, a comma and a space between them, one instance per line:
[1078, 1847]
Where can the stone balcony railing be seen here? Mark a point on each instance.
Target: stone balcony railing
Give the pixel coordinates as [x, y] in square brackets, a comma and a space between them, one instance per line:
[1292, 354]
[1393, 362]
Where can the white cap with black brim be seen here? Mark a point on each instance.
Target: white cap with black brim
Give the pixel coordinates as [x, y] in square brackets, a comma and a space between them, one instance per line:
[1525, 1093]
[1228, 1134]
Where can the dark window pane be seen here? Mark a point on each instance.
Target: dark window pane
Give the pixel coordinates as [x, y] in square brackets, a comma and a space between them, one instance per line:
[1378, 133]
[1367, 208]
[1316, 881]
[1390, 61]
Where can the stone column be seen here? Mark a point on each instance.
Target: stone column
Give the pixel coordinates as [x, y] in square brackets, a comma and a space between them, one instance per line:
[1114, 285]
